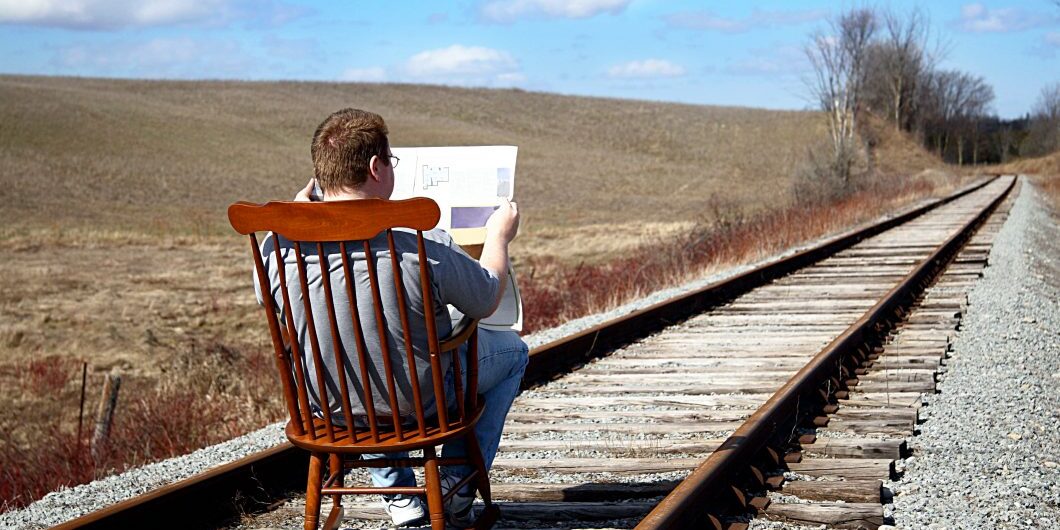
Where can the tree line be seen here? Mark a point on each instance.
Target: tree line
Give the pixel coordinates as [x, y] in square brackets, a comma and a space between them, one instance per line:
[887, 63]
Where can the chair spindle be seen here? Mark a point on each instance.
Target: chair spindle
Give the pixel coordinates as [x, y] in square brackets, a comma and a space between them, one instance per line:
[410, 353]
[301, 377]
[362, 349]
[384, 345]
[338, 350]
[432, 333]
[314, 344]
[282, 361]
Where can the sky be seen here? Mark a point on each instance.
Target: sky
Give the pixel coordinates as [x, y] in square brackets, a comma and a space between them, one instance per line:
[705, 52]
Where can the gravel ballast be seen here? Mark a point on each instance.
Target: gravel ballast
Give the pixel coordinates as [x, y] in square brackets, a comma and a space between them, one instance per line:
[987, 456]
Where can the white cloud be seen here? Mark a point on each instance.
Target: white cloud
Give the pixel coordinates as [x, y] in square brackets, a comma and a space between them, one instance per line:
[646, 69]
[463, 65]
[779, 60]
[977, 18]
[506, 11]
[375, 74]
[457, 60]
[118, 14]
[759, 19]
[105, 14]
[1048, 47]
[159, 58]
[972, 10]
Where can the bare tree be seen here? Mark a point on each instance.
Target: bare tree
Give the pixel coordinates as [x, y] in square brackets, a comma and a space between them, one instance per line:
[939, 108]
[904, 59]
[839, 58]
[955, 104]
[1005, 141]
[976, 109]
[1044, 134]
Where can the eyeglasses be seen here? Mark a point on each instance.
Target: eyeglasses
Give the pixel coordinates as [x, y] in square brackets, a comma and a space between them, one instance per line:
[393, 160]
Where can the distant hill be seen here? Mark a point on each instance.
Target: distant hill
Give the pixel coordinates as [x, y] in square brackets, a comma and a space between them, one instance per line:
[167, 157]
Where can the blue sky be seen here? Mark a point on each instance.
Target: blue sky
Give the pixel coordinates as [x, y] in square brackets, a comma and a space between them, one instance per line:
[726, 53]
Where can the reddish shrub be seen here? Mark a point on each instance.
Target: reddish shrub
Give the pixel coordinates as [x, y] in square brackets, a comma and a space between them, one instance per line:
[46, 376]
[212, 393]
[553, 294]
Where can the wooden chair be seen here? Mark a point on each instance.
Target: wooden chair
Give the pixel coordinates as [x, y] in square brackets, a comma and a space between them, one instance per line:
[341, 441]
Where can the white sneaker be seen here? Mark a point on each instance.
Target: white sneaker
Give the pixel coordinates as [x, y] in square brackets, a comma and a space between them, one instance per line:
[458, 509]
[405, 510]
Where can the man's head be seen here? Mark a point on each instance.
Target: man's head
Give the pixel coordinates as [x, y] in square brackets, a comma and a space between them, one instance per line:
[349, 149]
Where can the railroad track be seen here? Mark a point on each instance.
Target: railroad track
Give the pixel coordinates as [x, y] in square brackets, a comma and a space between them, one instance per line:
[777, 393]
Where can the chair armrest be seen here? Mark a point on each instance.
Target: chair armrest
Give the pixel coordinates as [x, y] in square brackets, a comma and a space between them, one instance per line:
[459, 335]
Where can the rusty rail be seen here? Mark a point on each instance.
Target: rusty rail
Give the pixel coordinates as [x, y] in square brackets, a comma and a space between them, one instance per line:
[695, 500]
[558, 357]
[257, 480]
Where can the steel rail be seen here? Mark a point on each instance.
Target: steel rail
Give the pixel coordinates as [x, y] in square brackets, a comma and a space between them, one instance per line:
[255, 481]
[689, 505]
[558, 357]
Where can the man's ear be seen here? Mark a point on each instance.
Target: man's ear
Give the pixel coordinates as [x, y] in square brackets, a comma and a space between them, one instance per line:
[373, 167]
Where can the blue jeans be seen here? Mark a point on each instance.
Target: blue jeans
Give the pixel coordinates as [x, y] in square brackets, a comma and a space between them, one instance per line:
[502, 358]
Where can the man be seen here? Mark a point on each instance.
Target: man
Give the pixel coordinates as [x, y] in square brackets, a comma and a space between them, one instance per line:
[352, 160]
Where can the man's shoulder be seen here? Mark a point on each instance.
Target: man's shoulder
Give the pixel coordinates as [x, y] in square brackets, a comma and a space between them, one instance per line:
[438, 236]
[436, 240]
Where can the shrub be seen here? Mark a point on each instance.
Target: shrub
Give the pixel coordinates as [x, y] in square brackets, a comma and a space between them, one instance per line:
[210, 392]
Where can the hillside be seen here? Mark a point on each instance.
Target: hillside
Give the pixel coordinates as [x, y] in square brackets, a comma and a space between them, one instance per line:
[1045, 171]
[93, 156]
[1045, 165]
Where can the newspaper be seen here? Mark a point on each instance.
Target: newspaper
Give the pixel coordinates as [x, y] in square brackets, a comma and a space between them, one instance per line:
[468, 183]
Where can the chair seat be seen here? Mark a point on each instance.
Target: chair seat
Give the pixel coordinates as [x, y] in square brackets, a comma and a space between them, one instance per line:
[359, 439]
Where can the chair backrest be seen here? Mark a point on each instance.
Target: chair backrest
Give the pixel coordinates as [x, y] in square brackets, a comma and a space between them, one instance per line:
[330, 234]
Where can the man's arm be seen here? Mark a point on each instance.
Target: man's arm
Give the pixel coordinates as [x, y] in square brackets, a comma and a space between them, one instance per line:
[270, 241]
[501, 229]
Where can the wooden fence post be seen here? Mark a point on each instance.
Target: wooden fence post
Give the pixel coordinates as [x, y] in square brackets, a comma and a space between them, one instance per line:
[105, 414]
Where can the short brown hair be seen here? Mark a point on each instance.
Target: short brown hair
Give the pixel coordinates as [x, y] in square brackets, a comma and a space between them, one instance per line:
[344, 144]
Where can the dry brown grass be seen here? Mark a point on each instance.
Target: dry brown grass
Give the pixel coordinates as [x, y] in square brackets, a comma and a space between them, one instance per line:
[119, 252]
[897, 153]
[1045, 174]
[165, 158]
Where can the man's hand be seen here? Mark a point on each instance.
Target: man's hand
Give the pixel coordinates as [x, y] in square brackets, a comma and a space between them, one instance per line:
[503, 224]
[501, 228]
[304, 193]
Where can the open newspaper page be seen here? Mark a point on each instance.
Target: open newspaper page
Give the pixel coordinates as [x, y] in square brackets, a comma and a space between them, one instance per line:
[468, 183]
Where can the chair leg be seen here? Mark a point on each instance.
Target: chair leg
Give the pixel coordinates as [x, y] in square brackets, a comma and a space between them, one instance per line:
[312, 491]
[482, 480]
[433, 482]
[490, 511]
[335, 466]
[335, 515]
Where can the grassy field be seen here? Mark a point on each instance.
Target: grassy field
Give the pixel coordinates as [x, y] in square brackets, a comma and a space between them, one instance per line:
[114, 192]
[165, 158]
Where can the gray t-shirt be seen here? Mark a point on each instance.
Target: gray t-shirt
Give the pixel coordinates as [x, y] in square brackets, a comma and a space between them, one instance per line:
[456, 279]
